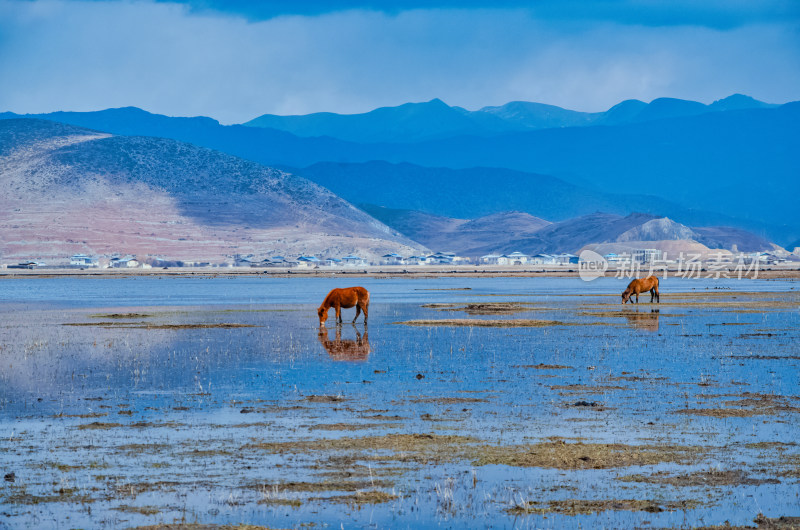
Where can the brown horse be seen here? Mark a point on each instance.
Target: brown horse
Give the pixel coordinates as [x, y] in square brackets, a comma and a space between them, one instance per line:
[639, 286]
[347, 349]
[347, 297]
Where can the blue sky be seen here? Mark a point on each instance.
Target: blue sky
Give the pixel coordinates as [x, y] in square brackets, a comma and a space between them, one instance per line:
[235, 60]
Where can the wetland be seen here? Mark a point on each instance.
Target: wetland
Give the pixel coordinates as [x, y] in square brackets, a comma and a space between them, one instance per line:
[467, 402]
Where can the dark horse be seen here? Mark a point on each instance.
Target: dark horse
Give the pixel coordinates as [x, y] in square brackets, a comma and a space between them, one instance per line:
[639, 286]
[347, 297]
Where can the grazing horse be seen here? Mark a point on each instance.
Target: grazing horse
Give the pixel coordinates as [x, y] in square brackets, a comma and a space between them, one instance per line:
[639, 286]
[346, 349]
[347, 297]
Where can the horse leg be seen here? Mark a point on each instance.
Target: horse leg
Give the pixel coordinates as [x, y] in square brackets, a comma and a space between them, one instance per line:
[338, 314]
[364, 308]
[358, 312]
[637, 298]
[658, 295]
[652, 295]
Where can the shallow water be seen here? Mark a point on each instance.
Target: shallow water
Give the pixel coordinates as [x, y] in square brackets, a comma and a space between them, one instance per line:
[165, 416]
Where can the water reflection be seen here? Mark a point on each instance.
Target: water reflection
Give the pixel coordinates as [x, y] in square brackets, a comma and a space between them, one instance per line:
[643, 319]
[346, 349]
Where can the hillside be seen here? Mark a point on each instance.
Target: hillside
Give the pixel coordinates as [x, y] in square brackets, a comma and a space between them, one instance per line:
[473, 192]
[67, 189]
[462, 236]
[515, 231]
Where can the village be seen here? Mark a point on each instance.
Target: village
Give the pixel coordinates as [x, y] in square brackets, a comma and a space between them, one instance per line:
[651, 258]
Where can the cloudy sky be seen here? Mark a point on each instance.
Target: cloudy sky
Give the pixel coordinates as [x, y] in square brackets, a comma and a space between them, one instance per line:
[234, 60]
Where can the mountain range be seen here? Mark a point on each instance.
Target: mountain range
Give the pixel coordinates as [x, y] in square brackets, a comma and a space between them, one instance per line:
[517, 231]
[481, 191]
[732, 163]
[414, 122]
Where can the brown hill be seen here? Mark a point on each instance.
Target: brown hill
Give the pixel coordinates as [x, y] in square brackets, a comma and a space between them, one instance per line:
[462, 236]
[66, 189]
[514, 231]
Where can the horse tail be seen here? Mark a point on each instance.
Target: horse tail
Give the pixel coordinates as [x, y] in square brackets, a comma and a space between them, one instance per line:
[366, 297]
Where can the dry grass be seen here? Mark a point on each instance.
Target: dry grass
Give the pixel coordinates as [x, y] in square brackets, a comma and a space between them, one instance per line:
[141, 325]
[712, 478]
[363, 497]
[561, 455]
[588, 507]
[352, 426]
[541, 366]
[448, 400]
[326, 485]
[483, 323]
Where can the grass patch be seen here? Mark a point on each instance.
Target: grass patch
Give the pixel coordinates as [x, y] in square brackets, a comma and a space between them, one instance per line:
[352, 426]
[141, 325]
[701, 478]
[142, 510]
[561, 455]
[484, 323]
[98, 425]
[588, 507]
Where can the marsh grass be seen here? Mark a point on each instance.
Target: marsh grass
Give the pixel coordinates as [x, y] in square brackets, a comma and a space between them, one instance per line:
[711, 477]
[588, 507]
[509, 323]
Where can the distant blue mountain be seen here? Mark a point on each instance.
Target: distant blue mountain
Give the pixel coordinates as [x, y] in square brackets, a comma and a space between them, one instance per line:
[414, 122]
[410, 122]
[740, 163]
[477, 192]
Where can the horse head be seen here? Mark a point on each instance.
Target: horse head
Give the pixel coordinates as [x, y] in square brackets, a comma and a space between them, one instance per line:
[626, 295]
[323, 315]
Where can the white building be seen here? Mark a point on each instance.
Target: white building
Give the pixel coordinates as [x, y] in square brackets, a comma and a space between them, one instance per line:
[646, 255]
[543, 259]
[393, 259]
[308, 262]
[566, 259]
[354, 261]
[494, 259]
[517, 258]
[82, 260]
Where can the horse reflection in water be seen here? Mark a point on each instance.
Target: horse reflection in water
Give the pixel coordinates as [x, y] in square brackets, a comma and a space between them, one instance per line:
[642, 319]
[345, 349]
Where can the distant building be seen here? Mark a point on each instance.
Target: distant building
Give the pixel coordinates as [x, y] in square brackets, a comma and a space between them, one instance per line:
[442, 258]
[494, 259]
[23, 265]
[646, 255]
[354, 261]
[517, 258]
[126, 262]
[82, 260]
[393, 259]
[279, 261]
[308, 262]
[543, 259]
[566, 259]
[245, 261]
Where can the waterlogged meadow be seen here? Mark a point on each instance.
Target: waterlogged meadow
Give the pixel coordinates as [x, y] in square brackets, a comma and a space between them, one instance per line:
[506, 403]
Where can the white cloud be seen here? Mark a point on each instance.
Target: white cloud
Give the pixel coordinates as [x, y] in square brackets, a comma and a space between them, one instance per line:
[57, 55]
